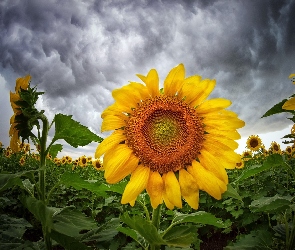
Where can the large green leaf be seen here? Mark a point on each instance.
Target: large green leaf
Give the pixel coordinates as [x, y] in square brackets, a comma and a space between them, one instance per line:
[73, 132]
[74, 180]
[145, 228]
[271, 161]
[276, 109]
[41, 212]
[200, 217]
[181, 236]
[8, 180]
[54, 149]
[105, 232]
[256, 240]
[72, 222]
[231, 192]
[67, 242]
[271, 204]
[134, 235]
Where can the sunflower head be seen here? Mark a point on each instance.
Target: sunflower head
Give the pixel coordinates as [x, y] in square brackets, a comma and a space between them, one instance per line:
[275, 148]
[254, 143]
[174, 142]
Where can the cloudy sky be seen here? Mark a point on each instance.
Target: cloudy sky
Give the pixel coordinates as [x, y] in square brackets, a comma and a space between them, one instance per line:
[79, 51]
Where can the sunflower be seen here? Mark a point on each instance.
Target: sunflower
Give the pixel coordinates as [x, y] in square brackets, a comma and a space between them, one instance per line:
[289, 150]
[246, 155]
[21, 83]
[97, 164]
[275, 148]
[172, 141]
[290, 104]
[254, 142]
[240, 164]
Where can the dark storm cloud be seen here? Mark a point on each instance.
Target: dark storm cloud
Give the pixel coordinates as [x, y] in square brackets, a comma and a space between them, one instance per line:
[78, 51]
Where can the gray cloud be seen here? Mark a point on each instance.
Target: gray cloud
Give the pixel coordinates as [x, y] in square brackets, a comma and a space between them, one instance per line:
[79, 51]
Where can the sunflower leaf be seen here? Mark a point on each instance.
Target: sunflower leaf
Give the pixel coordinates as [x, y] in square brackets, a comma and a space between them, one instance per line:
[271, 161]
[200, 217]
[276, 109]
[73, 132]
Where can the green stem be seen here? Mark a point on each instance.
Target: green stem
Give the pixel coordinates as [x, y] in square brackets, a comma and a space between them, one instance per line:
[156, 216]
[42, 180]
[145, 210]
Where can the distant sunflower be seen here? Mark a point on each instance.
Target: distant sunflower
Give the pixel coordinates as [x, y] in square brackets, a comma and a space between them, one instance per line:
[289, 150]
[21, 83]
[246, 155]
[173, 141]
[275, 148]
[240, 164]
[254, 143]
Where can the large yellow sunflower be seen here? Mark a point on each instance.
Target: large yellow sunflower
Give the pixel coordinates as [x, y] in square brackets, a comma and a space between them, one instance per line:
[173, 142]
[21, 83]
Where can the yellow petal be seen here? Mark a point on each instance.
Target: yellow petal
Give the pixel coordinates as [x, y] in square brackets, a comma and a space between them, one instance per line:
[221, 141]
[222, 122]
[292, 75]
[172, 189]
[205, 88]
[207, 181]
[211, 163]
[231, 134]
[112, 122]
[168, 204]
[108, 143]
[190, 89]
[290, 104]
[118, 163]
[126, 96]
[22, 83]
[116, 110]
[213, 105]
[138, 182]
[189, 188]
[155, 189]
[151, 81]
[174, 80]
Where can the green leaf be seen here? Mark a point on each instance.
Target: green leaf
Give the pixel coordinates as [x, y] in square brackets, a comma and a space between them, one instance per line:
[276, 109]
[270, 204]
[105, 232]
[73, 132]
[134, 235]
[66, 241]
[28, 186]
[271, 161]
[41, 212]
[54, 149]
[74, 180]
[256, 240]
[145, 228]
[71, 222]
[182, 236]
[231, 192]
[12, 229]
[10, 180]
[200, 217]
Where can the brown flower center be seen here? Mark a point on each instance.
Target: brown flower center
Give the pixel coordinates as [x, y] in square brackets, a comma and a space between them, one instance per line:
[164, 133]
[254, 143]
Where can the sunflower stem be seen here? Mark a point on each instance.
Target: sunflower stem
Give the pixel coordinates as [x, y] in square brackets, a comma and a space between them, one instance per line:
[156, 222]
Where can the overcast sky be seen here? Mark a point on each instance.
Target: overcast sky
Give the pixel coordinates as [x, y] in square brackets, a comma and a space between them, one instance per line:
[79, 51]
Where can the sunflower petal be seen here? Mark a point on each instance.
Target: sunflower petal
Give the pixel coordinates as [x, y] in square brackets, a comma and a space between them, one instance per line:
[210, 163]
[290, 104]
[112, 122]
[174, 80]
[138, 182]
[213, 105]
[190, 88]
[151, 81]
[172, 189]
[22, 82]
[127, 96]
[189, 188]
[206, 86]
[207, 181]
[118, 163]
[155, 189]
[108, 143]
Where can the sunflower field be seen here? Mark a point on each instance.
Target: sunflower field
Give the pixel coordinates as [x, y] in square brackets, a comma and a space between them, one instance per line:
[167, 177]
